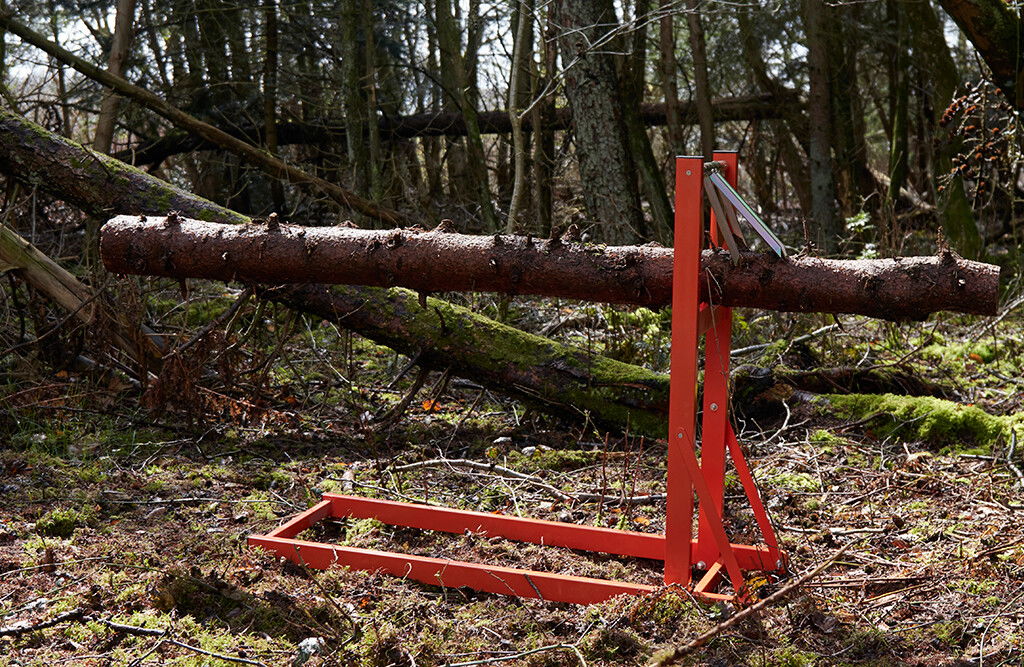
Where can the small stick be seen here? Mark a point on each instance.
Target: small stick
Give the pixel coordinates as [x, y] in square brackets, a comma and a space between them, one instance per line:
[16, 630]
[548, 489]
[396, 411]
[1009, 457]
[166, 635]
[517, 656]
[226, 316]
[679, 652]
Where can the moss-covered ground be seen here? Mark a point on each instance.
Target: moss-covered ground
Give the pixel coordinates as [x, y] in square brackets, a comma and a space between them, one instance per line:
[135, 511]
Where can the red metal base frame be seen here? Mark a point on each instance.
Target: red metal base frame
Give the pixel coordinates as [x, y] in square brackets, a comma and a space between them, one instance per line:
[688, 479]
[488, 578]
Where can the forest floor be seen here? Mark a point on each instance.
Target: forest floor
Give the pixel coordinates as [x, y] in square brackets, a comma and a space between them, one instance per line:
[115, 516]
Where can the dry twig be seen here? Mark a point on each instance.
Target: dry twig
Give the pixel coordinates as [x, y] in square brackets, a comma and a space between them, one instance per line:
[675, 654]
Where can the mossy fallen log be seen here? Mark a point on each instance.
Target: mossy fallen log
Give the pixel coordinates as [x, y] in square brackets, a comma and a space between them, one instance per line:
[943, 425]
[559, 378]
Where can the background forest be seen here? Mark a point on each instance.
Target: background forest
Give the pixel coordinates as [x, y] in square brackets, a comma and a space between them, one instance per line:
[147, 426]
[882, 110]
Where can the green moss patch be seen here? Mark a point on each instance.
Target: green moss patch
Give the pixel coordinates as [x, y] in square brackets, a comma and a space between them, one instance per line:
[63, 521]
[554, 459]
[947, 425]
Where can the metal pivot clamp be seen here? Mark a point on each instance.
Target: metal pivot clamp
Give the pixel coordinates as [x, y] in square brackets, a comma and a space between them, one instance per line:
[709, 551]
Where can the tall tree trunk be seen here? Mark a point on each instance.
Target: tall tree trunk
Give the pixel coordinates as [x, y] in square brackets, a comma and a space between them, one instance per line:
[899, 85]
[541, 115]
[518, 100]
[103, 139]
[119, 48]
[667, 68]
[457, 81]
[823, 197]
[270, 95]
[607, 171]
[5, 92]
[353, 66]
[932, 57]
[378, 187]
[856, 184]
[432, 145]
[698, 48]
[652, 181]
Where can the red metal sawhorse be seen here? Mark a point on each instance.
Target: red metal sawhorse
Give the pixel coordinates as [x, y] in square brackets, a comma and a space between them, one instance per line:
[710, 552]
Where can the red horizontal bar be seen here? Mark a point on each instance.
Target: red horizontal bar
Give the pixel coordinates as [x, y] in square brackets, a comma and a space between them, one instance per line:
[303, 521]
[537, 531]
[711, 577]
[453, 573]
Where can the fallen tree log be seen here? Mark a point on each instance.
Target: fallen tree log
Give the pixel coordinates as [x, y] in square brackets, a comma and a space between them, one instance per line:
[614, 394]
[441, 261]
[559, 378]
[443, 123]
[100, 184]
[140, 344]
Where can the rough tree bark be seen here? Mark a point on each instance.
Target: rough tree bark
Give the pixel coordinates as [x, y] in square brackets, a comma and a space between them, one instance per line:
[607, 170]
[823, 193]
[540, 117]
[270, 94]
[442, 261]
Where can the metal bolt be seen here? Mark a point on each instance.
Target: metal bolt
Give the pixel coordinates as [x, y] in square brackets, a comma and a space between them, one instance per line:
[679, 436]
[701, 565]
[689, 173]
[714, 407]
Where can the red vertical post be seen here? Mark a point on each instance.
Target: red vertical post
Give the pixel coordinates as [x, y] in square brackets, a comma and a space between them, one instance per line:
[683, 385]
[715, 419]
